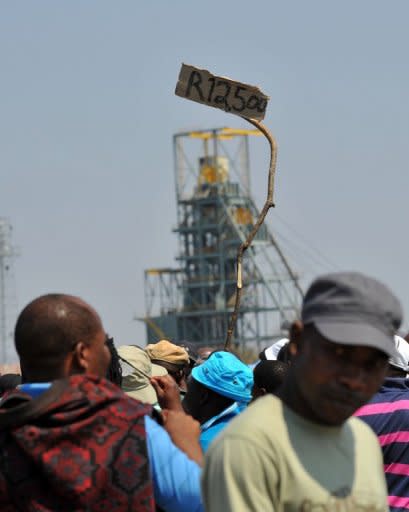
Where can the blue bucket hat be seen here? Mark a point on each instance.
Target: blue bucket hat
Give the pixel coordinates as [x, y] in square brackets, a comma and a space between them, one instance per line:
[226, 375]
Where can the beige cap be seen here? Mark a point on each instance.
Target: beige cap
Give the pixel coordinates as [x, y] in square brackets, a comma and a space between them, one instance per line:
[166, 351]
[136, 372]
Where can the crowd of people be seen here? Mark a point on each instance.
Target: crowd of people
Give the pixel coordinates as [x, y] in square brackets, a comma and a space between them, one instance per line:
[319, 423]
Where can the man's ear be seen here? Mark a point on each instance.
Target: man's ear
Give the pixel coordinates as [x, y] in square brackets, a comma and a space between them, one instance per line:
[81, 357]
[296, 331]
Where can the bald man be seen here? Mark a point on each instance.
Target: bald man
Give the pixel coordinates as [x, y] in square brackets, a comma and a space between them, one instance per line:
[71, 440]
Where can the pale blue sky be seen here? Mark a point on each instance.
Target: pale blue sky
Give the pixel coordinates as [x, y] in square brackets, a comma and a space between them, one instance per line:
[87, 114]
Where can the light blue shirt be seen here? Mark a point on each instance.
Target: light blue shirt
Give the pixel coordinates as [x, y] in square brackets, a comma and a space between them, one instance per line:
[176, 478]
[212, 428]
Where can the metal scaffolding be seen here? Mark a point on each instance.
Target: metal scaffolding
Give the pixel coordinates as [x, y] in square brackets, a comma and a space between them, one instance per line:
[215, 214]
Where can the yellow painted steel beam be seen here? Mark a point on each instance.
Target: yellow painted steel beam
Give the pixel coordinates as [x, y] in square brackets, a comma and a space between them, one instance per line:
[223, 134]
[155, 328]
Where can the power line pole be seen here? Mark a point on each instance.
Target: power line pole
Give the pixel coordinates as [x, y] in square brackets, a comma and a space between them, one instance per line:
[7, 255]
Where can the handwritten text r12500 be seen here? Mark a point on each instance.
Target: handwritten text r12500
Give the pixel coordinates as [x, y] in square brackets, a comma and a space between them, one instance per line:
[220, 92]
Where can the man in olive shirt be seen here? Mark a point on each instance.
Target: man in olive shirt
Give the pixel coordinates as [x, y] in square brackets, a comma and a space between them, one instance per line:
[301, 451]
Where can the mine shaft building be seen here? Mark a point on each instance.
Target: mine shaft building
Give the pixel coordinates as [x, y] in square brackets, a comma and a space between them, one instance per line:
[215, 212]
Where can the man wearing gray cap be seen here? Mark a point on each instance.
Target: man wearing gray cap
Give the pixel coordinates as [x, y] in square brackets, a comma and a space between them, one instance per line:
[388, 415]
[302, 450]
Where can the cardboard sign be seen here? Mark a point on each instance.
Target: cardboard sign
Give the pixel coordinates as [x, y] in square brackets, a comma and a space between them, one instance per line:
[220, 92]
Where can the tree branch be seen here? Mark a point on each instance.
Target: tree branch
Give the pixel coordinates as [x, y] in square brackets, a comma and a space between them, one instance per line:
[246, 244]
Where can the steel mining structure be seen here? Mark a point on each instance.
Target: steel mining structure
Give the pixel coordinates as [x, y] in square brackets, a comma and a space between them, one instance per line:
[215, 213]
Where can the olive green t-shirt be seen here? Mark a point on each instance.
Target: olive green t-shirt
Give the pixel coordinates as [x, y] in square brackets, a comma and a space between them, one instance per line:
[271, 459]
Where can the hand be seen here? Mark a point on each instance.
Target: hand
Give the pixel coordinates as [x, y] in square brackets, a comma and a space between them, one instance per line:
[184, 432]
[167, 392]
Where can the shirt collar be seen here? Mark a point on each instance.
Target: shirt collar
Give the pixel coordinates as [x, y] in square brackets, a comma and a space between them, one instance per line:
[233, 408]
[34, 389]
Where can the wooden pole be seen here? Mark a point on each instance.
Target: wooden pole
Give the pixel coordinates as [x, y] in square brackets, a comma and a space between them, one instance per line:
[246, 244]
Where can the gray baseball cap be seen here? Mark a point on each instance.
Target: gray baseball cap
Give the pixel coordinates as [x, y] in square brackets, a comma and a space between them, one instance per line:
[353, 309]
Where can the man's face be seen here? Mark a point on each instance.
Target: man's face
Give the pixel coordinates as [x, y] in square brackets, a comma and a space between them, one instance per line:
[99, 355]
[335, 380]
[192, 400]
[95, 356]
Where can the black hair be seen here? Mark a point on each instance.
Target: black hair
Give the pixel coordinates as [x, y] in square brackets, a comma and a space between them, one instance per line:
[270, 375]
[114, 372]
[192, 352]
[262, 355]
[284, 354]
[9, 381]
